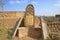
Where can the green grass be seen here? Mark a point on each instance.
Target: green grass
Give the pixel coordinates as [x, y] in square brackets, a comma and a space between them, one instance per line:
[5, 34]
[48, 38]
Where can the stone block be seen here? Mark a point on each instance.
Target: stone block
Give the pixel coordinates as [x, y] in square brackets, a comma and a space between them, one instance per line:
[22, 32]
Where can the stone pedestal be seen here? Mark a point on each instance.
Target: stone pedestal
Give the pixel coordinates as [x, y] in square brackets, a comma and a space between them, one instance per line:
[22, 32]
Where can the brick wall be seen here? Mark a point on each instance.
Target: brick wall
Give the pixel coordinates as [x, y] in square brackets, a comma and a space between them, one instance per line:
[22, 32]
[30, 32]
[9, 19]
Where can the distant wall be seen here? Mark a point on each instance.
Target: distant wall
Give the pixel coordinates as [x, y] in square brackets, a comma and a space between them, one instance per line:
[9, 19]
[53, 27]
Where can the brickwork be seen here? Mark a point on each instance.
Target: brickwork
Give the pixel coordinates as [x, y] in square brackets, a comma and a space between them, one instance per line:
[29, 17]
[31, 32]
[22, 32]
[8, 19]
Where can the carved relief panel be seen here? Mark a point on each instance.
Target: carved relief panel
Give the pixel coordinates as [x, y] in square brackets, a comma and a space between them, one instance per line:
[29, 18]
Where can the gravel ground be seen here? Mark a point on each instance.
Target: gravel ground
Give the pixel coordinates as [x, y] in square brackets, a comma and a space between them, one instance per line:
[24, 38]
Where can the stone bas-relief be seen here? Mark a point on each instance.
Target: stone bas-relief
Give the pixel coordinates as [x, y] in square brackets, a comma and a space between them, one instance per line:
[28, 26]
[29, 15]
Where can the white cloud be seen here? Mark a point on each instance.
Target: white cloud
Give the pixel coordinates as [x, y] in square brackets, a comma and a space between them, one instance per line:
[17, 1]
[57, 4]
[35, 3]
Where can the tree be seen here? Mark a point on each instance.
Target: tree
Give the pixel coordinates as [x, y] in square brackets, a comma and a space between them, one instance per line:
[2, 4]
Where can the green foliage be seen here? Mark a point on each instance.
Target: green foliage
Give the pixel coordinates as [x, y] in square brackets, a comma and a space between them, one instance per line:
[50, 19]
[6, 34]
[9, 34]
[48, 38]
[58, 19]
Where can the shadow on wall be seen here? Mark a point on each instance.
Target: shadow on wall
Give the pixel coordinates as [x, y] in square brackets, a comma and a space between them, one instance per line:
[35, 32]
[15, 26]
[22, 23]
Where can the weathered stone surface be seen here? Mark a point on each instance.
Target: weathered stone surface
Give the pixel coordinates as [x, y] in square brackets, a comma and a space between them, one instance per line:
[44, 28]
[22, 32]
[37, 23]
[30, 32]
[34, 32]
[30, 9]
[8, 19]
[16, 27]
[29, 15]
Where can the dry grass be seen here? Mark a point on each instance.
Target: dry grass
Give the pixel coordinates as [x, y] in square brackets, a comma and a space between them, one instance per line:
[5, 34]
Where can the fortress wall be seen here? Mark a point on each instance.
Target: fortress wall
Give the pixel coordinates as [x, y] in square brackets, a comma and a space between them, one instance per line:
[10, 23]
[19, 14]
[1, 23]
[9, 19]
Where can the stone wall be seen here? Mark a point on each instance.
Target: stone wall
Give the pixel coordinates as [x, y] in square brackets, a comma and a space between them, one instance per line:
[53, 27]
[54, 30]
[37, 22]
[29, 18]
[8, 19]
[30, 32]
[35, 32]
[22, 32]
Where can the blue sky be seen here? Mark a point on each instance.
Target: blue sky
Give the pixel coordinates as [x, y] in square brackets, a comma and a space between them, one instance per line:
[42, 7]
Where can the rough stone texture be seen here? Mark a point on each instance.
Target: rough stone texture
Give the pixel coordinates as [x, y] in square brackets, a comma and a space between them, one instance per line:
[44, 28]
[12, 14]
[10, 23]
[29, 16]
[37, 22]
[24, 38]
[16, 27]
[29, 20]
[9, 19]
[54, 30]
[31, 32]
[22, 32]
[1, 24]
[34, 32]
[30, 9]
